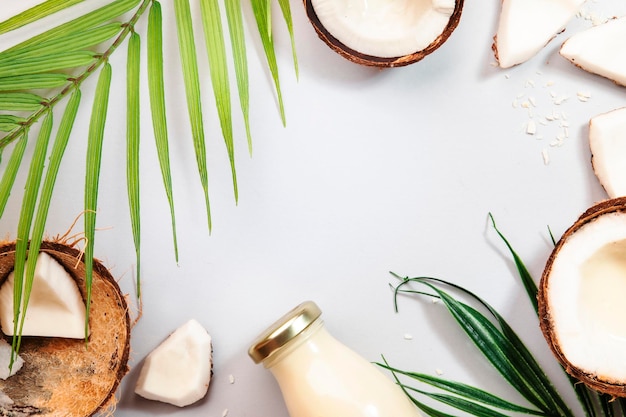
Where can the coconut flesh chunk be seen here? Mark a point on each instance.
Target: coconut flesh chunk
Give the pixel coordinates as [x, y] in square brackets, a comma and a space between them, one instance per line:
[527, 26]
[178, 371]
[6, 369]
[607, 141]
[385, 28]
[600, 50]
[55, 307]
[581, 298]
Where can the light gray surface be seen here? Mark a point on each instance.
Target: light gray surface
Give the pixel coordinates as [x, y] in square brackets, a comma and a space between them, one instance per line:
[376, 171]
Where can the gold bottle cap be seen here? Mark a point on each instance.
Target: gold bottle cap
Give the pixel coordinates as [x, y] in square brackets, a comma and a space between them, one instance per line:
[283, 330]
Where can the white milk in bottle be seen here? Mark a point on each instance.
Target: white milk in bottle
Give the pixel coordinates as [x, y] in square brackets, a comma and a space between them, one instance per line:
[321, 377]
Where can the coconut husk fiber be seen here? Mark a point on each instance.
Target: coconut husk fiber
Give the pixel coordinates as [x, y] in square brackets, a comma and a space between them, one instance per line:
[69, 377]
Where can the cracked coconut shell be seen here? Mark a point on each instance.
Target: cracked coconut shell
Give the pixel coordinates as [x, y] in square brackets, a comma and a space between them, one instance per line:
[66, 377]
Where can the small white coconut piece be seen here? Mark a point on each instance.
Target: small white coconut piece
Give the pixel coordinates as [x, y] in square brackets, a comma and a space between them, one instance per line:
[178, 371]
[526, 26]
[607, 141]
[6, 369]
[600, 50]
[55, 308]
[581, 306]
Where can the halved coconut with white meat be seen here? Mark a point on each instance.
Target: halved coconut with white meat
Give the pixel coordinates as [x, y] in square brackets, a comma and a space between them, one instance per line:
[600, 50]
[581, 298]
[63, 376]
[384, 33]
[607, 141]
[527, 26]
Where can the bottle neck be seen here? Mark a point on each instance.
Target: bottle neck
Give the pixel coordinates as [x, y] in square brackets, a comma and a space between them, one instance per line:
[293, 344]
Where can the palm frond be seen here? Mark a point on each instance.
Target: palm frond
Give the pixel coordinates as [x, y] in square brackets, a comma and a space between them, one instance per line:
[132, 146]
[157, 106]
[35, 13]
[218, 65]
[263, 17]
[187, 48]
[22, 282]
[41, 72]
[11, 170]
[94, 160]
[240, 61]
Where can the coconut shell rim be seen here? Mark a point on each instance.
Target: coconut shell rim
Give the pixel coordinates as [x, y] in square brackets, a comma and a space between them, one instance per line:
[52, 247]
[545, 323]
[380, 62]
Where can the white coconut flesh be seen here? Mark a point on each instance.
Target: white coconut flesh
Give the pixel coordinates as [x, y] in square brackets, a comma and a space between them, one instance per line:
[607, 141]
[55, 307]
[385, 28]
[178, 371]
[600, 50]
[585, 296]
[527, 26]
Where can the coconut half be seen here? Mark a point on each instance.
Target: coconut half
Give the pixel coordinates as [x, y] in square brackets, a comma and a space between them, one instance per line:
[607, 141]
[66, 377]
[384, 33]
[600, 50]
[527, 26]
[581, 298]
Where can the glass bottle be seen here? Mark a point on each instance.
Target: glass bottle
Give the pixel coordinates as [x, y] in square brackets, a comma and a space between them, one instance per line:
[321, 377]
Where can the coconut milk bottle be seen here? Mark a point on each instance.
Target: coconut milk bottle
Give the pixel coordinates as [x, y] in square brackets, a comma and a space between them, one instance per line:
[321, 377]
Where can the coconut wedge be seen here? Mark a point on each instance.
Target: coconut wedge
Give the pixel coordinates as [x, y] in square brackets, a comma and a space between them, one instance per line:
[384, 33]
[178, 371]
[581, 298]
[526, 26]
[607, 141]
[600, 50]
[55, 308]
[67, 377]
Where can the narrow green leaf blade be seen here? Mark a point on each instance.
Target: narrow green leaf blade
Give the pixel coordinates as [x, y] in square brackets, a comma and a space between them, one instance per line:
[35, 13]
[84, 22]
[187, 48]
[29, 200]
[32, 82]
[21, 102]
[286, 10]
[11, 170]
[465, 391]
[240, 60]
[262, 15]
[46, 63]
[157, 106]
[216, 50]
[93, 163]
[132, 146]
[72, 42]
[527, 280]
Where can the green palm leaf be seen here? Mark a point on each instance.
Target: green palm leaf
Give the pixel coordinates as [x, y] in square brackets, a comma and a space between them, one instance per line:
[157, 106]
[42, 71]
[46, 63]
[75, 41]
[11, 170]
[286, 10]
[240, 61]
[35, 13]
[262, 15]
[187, 48]
[216, 50]
[20, 102]
[132, 145]
[94, 159]
[21, 288]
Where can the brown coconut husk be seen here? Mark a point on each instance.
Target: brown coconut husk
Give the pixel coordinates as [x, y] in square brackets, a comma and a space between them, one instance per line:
[599, 383]
[69, 377]
[374, 61]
